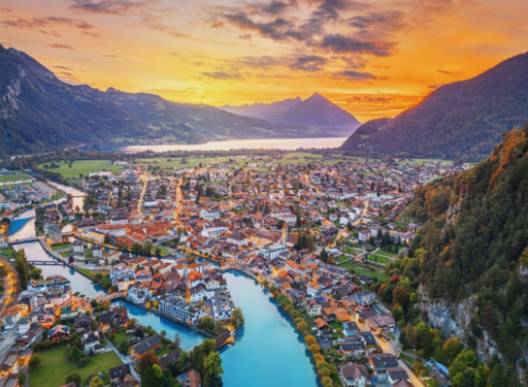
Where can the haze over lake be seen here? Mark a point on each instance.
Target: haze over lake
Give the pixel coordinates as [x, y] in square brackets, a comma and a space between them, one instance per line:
[274, 143]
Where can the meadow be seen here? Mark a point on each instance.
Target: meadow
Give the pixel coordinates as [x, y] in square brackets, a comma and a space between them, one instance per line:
[79, 167]
[53, 368]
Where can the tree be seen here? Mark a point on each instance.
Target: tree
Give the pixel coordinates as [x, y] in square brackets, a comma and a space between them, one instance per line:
[451, 349]
[123, 347]
[466, 370]
[35, 361]
[323, 256]
[212, 369]
[310, 340]
[237, 318]
[152, 376]
[96, 382]
[22, 268]
[73, 378]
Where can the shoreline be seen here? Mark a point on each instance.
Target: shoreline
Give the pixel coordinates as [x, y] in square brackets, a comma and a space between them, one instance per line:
[270, 143]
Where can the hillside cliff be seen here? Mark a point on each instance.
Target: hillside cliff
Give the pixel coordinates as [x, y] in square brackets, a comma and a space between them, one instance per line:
[472, 253]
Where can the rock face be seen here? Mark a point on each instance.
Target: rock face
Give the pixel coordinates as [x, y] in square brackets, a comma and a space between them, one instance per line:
[455, 320]
[473, 249]
[462, 120]
[316, 113]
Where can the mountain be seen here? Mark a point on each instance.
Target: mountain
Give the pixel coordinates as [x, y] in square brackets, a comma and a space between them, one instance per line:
[315, 112]
[470, 259]
[39, 113]
[462, 120]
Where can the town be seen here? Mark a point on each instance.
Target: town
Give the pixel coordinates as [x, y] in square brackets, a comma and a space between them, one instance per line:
[90, 247]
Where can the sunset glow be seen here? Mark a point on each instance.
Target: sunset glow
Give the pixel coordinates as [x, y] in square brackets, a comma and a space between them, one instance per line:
[372, 58]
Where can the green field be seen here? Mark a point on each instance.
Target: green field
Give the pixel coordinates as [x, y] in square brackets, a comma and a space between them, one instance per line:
[13, 176]
[352, 250]
[54, 369]
[171, 163]
[298, 158]
[382, 256]
[382, 259]
[61, 246]
[352, 266]
[418, 162]
[78, 167]
[118, 338]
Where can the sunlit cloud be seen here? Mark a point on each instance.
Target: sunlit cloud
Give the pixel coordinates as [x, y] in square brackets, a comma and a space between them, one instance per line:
[372, 58]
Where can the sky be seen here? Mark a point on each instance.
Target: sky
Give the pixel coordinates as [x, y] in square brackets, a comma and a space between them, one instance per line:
[372, 58]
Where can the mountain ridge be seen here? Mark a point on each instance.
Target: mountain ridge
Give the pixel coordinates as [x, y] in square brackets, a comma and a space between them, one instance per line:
[315, 111]
[461, 120]
[39, 112]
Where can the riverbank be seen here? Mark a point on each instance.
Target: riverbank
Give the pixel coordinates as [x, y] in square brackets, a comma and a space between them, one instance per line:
[79, 283]
[167, 316]
[278, 355]
[267, 351]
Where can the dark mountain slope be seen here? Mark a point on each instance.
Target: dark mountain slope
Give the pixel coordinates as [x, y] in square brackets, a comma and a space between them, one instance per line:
[39, 113]
[461, 120]
[315, 112]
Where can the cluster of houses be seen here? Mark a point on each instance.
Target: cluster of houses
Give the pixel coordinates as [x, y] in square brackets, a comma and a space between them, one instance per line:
[184, 292]
[23, 193]
[267, 218]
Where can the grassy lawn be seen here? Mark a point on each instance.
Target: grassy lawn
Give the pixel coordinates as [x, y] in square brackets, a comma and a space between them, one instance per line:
[341, 258]
[379, 259]
[13, 176]
[418, 162]
[53, 368]
[90, 273]
[61, 246]
[167, 163]
[358, 269]
[118, 338]
[298, 158]
[352, 250]
[7, 252]
[78, 167]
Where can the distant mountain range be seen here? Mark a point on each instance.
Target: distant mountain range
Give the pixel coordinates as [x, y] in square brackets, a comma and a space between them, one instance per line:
[462, 120]
[314, 112]
[39, 112]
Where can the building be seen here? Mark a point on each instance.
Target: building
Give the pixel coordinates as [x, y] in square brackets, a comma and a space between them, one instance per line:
[175, 308]
[150, 344]
[274, 251]
[354, 375]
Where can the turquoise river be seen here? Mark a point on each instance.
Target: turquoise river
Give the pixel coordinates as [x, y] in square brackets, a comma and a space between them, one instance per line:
[268, 351]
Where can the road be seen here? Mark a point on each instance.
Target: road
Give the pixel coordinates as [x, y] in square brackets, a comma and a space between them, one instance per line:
[178, 201]
[7, 339]
[144, 181]
[388, 347]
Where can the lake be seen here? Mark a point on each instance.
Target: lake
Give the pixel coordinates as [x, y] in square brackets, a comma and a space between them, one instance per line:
[271, 143]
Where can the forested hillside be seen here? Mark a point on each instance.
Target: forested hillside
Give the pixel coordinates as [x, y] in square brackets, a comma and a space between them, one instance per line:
[471, 259]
